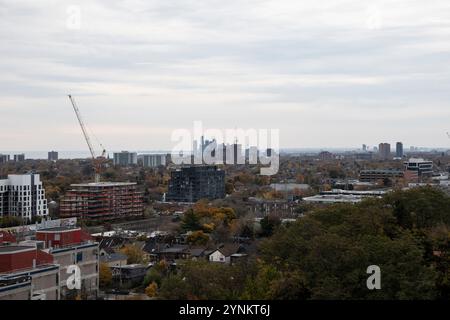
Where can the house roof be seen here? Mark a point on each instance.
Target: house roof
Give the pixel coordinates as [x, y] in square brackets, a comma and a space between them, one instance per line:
[112, 242]
[113, 257]
[178, 248]
[108, 250]
[229, 249]
[132, 266]
[152, 246]
[197, 252]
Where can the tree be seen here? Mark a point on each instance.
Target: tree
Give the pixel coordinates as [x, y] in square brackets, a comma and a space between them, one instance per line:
[10, 221]
[420, 207]
[331, 249]
[268, 225]
[152, 290]
[105, 275]
[203, 280]
[133, 253]
[198, 238]
[190, 221]
[156, 273]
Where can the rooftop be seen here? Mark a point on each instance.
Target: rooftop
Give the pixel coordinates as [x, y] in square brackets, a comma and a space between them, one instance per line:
[131, 266]
[56, 229]
[334, 198]
[113, 257]
[418, 160]
[10, 249]
[103, 184]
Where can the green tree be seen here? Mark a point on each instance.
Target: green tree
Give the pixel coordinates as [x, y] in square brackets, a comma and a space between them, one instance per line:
[268, 225]
[190, 221]
[333, 247]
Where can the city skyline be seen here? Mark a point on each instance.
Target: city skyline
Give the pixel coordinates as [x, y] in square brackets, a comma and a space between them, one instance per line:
[334, 73]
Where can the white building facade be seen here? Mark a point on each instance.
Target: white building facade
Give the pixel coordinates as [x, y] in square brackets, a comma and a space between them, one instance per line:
[124, 158]
[419, 165]
[22, 195]
[152, 160]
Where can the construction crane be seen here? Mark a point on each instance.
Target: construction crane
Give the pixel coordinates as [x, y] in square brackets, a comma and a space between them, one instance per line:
[97, 161]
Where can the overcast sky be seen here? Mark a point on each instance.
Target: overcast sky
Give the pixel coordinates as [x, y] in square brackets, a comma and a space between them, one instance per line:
[326, 73]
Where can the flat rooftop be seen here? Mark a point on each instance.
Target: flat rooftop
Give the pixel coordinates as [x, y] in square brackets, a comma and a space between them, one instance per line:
[9, 249]
[333, 199]
[103, 184]
[419, 160]
[55, 229]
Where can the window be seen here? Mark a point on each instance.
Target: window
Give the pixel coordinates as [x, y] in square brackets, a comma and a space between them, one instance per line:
[79, 256]
[57, 237]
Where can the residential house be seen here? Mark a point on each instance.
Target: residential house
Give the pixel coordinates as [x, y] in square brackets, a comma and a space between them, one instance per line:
[225, 253]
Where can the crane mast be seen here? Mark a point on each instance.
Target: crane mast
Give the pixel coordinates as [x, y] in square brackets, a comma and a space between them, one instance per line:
[97, 164]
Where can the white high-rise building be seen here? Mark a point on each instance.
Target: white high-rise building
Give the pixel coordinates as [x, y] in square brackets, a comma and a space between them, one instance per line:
[22, 195]
[152, 160]
[125, 158]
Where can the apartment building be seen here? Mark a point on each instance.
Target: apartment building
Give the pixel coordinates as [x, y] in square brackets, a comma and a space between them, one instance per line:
[19, 157]
[23, 195]
[102, 201]
[4, 158]
[124, 158]
[71, 246]
[52, 156]
[384, 151]
[152, 160]
[379, 174]
[27, 273]
[419, 166]
[192, 183]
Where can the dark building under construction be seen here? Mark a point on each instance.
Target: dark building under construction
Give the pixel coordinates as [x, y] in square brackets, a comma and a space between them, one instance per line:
[102, 201]
[192, 183]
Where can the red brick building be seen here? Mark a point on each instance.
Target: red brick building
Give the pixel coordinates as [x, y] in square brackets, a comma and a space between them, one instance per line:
[102, 201]
[27, 273]
[22, 257]
[62, 236]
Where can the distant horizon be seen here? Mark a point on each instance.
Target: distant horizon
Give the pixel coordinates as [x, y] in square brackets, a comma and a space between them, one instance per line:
[82, 154]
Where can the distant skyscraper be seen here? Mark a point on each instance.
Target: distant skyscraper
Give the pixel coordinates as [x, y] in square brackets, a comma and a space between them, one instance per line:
[399, 150]
[52, 156]
[384, 151]
[252, 154]
[19, 157]
[364, 147]
[194, 147]
[152, 160]
[325, 155]
[125, 158]
[4, 158]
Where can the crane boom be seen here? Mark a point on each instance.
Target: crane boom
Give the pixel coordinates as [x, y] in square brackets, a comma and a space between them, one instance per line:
[96, 161]
[83, 127]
